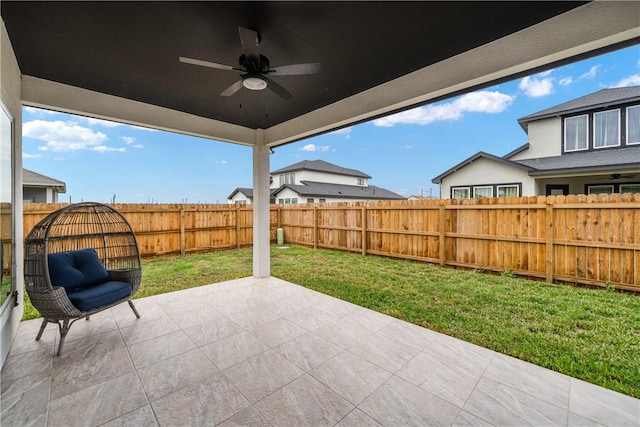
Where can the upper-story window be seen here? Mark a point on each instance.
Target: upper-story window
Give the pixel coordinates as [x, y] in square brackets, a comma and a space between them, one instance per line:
[633, 125]
[606, 129]
[360, 181]
[576, 133]
[287, 178]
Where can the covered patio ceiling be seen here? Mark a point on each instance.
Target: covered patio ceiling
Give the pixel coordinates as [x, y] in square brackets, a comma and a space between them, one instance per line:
[120, 60]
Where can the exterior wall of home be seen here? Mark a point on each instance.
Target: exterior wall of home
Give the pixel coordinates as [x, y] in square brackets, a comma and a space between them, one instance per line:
[39, 195]
[577, 184]
[287, 193]
[545, 139]
[306, 175]
[487, 172]
[10, 96]
[239, 198]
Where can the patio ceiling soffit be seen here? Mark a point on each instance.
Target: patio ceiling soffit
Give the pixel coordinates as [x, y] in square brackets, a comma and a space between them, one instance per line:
[581, 32]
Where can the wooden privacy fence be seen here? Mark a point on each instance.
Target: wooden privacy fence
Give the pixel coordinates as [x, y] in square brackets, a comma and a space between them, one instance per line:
[166, 229]
[592, 240]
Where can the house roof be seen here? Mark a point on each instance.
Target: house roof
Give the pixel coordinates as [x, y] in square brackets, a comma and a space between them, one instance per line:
[246, 191]
[618, 158]
[479, 155]
[35, 179]
[601, 99]
[322, 189]
[321, 166]
[120, 60]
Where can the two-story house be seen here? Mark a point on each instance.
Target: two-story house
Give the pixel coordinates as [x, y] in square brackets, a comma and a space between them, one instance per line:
[317, 181]
[589, 145]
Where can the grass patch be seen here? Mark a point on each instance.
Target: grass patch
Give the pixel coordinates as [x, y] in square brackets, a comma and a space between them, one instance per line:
[591, 334]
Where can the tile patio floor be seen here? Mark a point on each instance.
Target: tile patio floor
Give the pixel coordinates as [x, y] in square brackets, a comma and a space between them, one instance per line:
[268, 352]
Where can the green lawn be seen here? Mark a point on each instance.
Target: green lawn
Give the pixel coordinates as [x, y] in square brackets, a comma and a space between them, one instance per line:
[592, 334]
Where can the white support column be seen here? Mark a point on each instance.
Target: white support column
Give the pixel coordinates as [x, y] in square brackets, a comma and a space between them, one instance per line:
[261, 217]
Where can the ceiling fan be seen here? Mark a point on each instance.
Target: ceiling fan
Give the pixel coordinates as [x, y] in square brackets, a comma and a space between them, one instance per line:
[614, 177]
[254, 68]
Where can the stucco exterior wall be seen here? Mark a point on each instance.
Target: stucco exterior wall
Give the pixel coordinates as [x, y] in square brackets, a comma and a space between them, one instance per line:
[305, 175]
[488, 172]
[545, 139]
[239, 197]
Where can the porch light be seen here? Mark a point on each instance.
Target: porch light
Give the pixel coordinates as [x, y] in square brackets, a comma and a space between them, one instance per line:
[254, 83]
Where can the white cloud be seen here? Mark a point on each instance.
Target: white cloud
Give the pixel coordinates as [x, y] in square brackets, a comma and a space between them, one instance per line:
[345, 132]
[477, 102]
[105, 149]
[408, 147]
[138, 146]
[633, 80]
[63, 136]
[535, 87]
[128, 139]
[565, 81]
[591, 73]
[30, 156]
[314, 147]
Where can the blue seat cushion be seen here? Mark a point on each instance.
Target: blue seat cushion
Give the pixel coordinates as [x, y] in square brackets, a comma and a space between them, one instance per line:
[76, 269]
[85, 299]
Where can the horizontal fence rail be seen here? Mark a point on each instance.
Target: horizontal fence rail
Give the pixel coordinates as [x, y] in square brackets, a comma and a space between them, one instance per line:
[592, 240]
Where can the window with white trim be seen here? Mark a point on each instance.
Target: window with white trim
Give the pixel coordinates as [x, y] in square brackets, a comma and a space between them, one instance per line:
[482, 192]
[460, 193]
[288, 178]
[322, 200]
[606, 129]
[600, 189]
[633, 125]
[310, 200]
[508, 191]
[629, 188]
[576, 133]
[360, 181]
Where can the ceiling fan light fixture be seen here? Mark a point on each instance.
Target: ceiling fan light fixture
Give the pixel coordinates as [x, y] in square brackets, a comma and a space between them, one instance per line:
[254, 83]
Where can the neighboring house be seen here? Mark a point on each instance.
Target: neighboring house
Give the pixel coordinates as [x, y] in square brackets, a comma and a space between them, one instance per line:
[38, 188]
[589, 145]
[317, 181]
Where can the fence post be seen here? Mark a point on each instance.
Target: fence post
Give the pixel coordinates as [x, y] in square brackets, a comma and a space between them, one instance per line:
[182, 235]
[549, 266]
[443, 229]
[315, 227]
[364, 230]
[237, 225]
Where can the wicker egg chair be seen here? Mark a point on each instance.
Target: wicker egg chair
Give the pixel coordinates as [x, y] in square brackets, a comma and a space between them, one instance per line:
[61, 289]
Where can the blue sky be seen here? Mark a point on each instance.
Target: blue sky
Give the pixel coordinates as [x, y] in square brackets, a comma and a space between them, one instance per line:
[403, 152]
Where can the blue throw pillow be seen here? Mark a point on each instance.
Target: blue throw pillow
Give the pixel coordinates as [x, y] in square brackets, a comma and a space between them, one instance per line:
[76, 269]
[62, 271]
[89, 264]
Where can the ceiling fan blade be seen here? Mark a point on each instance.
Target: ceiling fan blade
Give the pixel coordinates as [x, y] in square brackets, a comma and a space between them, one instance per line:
[232, 89]
[277, 89]
[250, 42]
[209, 64]
[297, 69]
